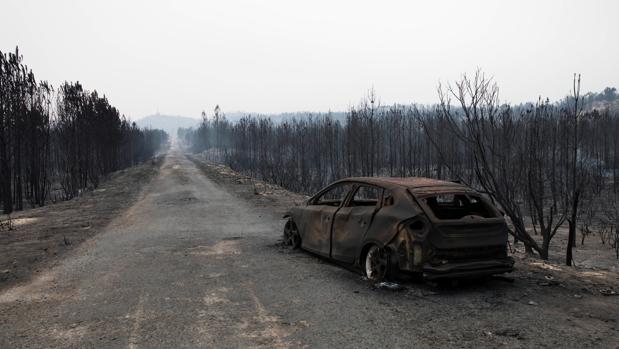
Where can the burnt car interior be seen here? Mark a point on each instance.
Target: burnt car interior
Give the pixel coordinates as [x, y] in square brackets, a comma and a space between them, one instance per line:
[458, 206]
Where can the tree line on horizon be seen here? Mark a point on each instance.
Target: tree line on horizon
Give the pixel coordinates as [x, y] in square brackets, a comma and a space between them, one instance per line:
[55, 143]
[546, 165]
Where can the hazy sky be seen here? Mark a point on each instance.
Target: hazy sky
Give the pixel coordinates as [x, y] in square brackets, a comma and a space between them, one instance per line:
[180, 57]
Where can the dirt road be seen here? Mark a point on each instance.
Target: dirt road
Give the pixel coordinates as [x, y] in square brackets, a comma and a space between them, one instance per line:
[193, 265]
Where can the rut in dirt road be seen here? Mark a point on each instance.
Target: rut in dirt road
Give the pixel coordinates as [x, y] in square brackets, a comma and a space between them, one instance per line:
[192, 265]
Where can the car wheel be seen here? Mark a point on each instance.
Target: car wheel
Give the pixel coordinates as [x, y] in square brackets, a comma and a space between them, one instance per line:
[292, 238]
[376, 263]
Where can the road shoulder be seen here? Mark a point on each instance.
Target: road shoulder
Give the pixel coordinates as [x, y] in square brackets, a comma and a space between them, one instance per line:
[41, 237]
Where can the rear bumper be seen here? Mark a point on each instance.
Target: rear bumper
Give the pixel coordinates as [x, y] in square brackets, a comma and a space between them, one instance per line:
[470, 269]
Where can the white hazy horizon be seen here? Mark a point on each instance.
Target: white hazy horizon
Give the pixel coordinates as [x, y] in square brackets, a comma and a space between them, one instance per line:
[182, 57]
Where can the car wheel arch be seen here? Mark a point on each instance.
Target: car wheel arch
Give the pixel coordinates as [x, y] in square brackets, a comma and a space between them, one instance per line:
[292, 222]
[295, 217]
[368, 243]
[366, 247]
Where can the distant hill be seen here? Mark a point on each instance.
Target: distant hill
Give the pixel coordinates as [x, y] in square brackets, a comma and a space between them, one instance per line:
[170, 123]
[167, 123]
[280, 117]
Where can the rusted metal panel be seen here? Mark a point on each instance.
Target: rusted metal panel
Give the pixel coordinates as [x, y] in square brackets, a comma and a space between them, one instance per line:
[428, 226]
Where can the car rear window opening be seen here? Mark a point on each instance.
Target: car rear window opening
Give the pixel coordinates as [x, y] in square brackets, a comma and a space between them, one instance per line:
[458, 206]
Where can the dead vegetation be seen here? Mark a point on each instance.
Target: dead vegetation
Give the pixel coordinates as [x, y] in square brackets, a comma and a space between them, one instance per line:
[57, 143]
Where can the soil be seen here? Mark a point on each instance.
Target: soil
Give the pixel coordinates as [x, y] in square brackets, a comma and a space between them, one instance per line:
[196, 261]
[40, 237]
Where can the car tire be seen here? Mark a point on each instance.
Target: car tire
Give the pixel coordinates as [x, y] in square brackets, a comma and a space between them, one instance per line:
[292, 238]
[376, 264]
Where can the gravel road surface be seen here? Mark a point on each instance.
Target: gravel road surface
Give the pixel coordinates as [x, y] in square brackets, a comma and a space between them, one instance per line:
[193, 265]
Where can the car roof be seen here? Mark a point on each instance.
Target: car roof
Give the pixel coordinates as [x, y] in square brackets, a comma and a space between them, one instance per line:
[414, 183]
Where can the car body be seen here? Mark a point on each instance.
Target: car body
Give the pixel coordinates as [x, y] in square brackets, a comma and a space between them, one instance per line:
[439, 229]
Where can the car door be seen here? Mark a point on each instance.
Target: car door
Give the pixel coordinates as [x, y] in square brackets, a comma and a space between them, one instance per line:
[318, 218]
[352, 221]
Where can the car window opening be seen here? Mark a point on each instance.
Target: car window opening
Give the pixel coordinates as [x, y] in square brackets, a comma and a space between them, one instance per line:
[366, 196]
[458, 206]
[334, 196]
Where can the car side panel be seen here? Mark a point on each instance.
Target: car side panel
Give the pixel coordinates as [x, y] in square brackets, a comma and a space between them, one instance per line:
[385, 224]
[315, 228]
[349, 227]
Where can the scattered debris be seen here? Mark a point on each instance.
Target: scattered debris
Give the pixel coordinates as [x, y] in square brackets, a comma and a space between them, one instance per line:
[608, 292]
[391, 286]
[548, 283]
[532, 303]
[509, 332]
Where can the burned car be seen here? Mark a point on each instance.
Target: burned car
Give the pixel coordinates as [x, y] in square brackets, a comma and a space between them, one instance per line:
[437, 229]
